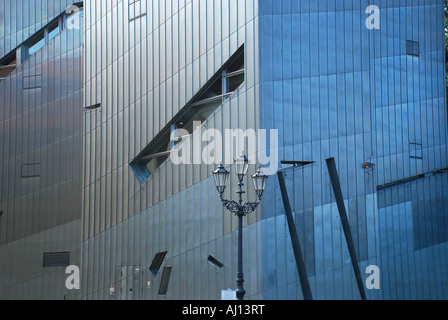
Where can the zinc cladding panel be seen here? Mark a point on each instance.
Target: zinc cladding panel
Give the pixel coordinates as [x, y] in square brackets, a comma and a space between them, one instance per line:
[23, 18]
[410, 95]
[160, 62]
[399, 103]
[38, 209]
[412, 222]
[167, 80]
[33, 114]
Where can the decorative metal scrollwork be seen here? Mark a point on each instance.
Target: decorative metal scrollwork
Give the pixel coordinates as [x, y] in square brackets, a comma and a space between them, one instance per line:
[232, 206]
[250, 207]
[235, 208]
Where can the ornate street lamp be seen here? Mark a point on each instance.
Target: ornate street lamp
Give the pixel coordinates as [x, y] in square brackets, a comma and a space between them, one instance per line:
[259, 180]
[239, 208]
[221, 176]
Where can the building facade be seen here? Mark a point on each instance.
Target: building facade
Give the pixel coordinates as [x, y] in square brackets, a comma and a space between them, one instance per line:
[358, 106]
[338, 89]
[332, 86]
[41, 102]
[21, 19]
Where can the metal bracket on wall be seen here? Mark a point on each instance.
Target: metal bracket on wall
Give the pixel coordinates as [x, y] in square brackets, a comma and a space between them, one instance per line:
[301, 268]
[334, 177]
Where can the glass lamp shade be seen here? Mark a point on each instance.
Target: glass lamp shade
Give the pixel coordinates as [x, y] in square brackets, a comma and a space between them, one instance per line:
[259, 180]
[241, 166]
[221, 176]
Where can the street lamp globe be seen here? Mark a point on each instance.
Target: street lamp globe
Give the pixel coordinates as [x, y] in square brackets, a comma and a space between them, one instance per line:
[221, 176]
[241, 166]
[259, 180]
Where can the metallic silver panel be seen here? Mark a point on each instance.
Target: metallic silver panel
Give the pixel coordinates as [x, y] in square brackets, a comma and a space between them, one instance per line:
[153, 75]
[331, 87]
[41, 112]
[19, 20]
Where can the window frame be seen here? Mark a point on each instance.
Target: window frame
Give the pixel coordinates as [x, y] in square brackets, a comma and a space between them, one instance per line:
[412, 48]
[153, 150]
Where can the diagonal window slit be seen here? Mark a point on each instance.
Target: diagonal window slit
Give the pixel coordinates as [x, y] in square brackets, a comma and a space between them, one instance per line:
[217, 91]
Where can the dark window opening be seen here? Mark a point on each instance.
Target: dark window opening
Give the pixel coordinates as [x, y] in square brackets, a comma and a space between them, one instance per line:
[215, 262]
[53, 31]
[412, 48]
[220, 87]
[70, 20]
[297, 163]
[8, 65]
[94, 107]
[36, 45]
[157, 262]
[31, 170]
[165, 281]
[56, 259]
[235, 82]
[416, 151]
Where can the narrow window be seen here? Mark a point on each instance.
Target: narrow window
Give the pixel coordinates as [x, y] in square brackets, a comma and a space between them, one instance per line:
[157, 262]
[53, 31]
[412, 48]
[215, 262]
[56, 259]
[416, 151]
[8, 65]
[94, 107]
[165, 281]
[31, 170]
[219, 88]
[33, 81]
[36, 46]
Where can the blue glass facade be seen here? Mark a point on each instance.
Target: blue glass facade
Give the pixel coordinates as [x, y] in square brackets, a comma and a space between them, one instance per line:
[337, 89]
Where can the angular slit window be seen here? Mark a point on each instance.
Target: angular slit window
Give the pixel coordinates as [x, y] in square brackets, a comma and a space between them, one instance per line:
[157, 263]
[72, 19]
[36, 45]
[219, 88]
[53, 31]
[165, 281]
[94, 107]
[215, 262]
[8, 65]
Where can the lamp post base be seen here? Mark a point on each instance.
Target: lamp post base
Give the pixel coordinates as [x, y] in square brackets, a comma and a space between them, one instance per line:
[240, 292]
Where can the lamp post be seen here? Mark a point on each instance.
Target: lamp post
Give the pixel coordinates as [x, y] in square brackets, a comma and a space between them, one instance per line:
[240, 209]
